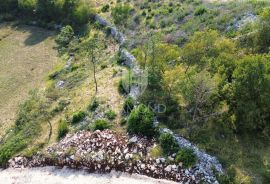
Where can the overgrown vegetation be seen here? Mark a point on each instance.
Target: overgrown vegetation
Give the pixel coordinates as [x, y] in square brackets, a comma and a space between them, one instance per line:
[76, 12]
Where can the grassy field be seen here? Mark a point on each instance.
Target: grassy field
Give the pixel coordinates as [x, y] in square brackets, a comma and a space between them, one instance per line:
[26, 56]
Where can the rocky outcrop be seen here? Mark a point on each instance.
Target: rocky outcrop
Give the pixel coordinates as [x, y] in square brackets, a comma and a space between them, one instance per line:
[106, 151]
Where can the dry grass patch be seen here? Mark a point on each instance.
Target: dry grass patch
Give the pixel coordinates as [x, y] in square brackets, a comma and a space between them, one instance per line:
[26, 56]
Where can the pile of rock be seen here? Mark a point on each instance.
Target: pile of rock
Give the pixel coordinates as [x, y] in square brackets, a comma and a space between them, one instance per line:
[105, 151]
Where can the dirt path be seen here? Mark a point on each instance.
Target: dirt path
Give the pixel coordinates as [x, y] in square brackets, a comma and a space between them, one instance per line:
[52, 175]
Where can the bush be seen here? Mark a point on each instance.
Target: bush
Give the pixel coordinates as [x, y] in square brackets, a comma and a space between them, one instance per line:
[65, 36]
[101, 125]
[120, 14]
[78, 116]
[62, 129]
[27, 6]
[110, 114]
[105, 8]
[187, 157]
[94, 105]
[128, 105]
[140, 121]
[121, 88]
[168, 143]
[200, 10]
[81, 14]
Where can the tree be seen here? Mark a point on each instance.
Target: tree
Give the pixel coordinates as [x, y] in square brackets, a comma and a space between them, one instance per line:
[194, 91]
[204, 47]
[250, 101]
[93, 49]
[27, 6]
[50, 10]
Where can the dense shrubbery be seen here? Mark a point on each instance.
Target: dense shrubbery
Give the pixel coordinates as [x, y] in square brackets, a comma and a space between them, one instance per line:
[101, 125]
[141, 121]
[251, 94]
[187, 157]
[62, 129]
[168, 143]
[76, 12]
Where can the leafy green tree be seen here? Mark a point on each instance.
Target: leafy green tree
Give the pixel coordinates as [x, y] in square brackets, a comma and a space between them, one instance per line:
[27, 6]
[251, 93]
[204, 47]
[50, 10]
[93, 49]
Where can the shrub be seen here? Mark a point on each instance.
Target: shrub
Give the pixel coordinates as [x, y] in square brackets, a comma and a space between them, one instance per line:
[101, 124]
[27, 6]
[187, 157]
[62, 129]
[140, 121]
[128, 105]
[123, 121]
[78, 116]
[120, 14]
[200, 10]
[105, 8]
[121, 88]
[81, 14]
[168, 143]
[65, 36]
[94, 105]
[110, 114]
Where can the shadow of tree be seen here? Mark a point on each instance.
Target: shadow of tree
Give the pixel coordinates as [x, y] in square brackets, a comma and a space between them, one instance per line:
[36, 36]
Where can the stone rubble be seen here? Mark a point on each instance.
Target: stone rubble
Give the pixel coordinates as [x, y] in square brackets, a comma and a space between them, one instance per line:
[104, 151]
